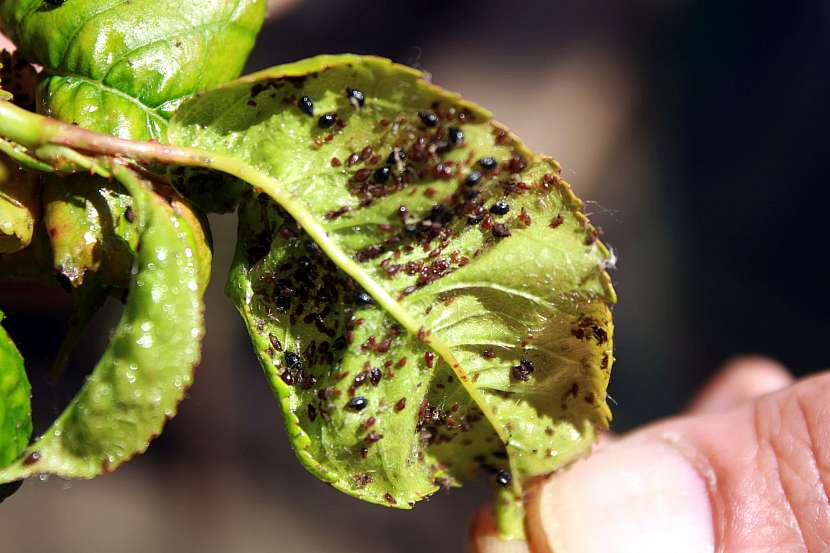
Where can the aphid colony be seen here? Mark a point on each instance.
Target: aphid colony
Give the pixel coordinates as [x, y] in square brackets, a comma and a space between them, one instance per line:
[302, 288]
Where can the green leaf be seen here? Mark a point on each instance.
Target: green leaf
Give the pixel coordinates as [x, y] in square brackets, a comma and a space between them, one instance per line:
[15, 406]
[91, 225]
[148, 365]
[19, 207]
[121, 67]
[484, 342]
[105, 72]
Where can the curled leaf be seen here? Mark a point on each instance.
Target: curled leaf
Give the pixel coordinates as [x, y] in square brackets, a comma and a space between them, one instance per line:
[142, 376]
[425, 295]
[19, 206]
[92, 227]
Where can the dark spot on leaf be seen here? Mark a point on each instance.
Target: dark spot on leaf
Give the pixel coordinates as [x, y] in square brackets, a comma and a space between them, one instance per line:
[356, 404]
[428, 118]
[306, 105]
[500, 208]
[488, 163]
[356, 97]
[327, 120]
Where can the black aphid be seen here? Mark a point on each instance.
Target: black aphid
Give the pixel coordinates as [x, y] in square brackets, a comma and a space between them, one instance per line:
[375, 375]
[456, 136]
[129, 214]
[293, 360]
[358, 403]
[488, 163]
[473, 178]
[327, 120]
[428, 118]
[523, 370]
[381, 174]
[500, 230]
[503, 478]
[395, 156]
[500, 208]
[306, 105]
[362, 298]
[355, 97]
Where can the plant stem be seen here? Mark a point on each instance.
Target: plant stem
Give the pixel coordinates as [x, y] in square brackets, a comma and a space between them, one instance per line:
[36, 132]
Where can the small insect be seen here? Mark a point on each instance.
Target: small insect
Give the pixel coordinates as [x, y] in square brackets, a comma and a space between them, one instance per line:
[500, 208]
[362, 298]
[356, 98]
[488, 163]
[327, 120]
[373, 437]
[375, 375]
[129, 214]
[293, 360]
[306, 105]
[523, 370]
[500, 230]
[503, 478]
[396, 156]
[381, 174]
[456, 136]
[400, 405]
[517, 164]
[275, 342]
[473, 178]
[357, 403]
[428, 118]
[429, 358]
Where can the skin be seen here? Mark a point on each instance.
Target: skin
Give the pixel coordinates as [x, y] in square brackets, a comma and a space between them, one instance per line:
[745, 469]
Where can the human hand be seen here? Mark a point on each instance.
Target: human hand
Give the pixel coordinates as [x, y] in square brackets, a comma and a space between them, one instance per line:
[745, 469]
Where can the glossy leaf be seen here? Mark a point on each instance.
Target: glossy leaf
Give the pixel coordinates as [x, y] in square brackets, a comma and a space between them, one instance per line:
[15, 406]
[414, 329]
[122, 67]
[91, 224]
[148, 365]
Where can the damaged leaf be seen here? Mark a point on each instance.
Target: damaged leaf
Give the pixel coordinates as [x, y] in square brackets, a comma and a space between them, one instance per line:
[425, 296]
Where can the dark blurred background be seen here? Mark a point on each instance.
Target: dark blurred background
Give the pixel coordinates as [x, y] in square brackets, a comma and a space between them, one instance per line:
[698, 131]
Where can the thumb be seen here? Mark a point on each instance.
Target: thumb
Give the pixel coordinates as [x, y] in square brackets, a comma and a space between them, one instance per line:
[753, 478]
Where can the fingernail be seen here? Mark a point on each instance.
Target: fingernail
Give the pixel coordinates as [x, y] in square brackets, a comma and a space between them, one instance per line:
[640, 496]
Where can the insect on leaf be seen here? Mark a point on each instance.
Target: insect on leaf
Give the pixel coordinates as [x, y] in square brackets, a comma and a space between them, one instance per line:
[427, 299]
[142, 376]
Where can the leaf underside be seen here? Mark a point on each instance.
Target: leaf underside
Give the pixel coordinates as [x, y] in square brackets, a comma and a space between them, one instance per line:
[485, 340]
